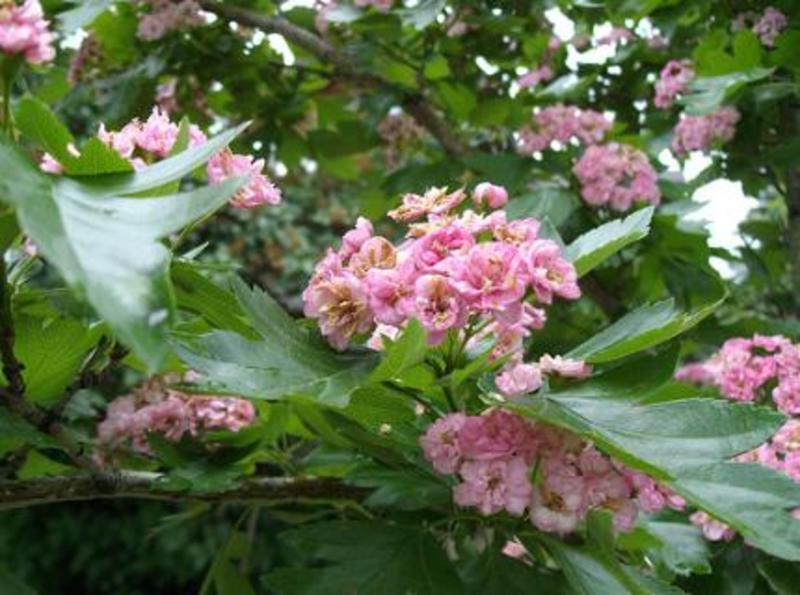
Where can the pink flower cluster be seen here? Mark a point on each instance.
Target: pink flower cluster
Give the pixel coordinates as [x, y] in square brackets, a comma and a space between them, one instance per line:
[145, 142]
[24, 31]
[770, 25]
[747, 370]
[700, 133]
[544, 71]
[155, 408]
[493, 455]
[674, 78]
[166, 16]
[477, 275]
[616, 175]
[562, 123]
[744, 369]
[518, 378]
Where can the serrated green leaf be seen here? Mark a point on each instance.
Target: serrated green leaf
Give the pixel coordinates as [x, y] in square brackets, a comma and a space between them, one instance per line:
[408, 350]
[106, 246]
[36, 121]
[593, 247]
[287, 360]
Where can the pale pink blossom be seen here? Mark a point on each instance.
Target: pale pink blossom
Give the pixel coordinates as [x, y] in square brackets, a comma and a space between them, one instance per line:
[157, 135]
[495, 485]
[566, 367]
[355, 238]
[713, 530]
[24, 31]
[701, 133]
[616, 175]
[492, 275]
[435, 201]
[562, 123]
[519, 379]
[434, 247]
[534, 77]
[440, 443]
[341, 307]
[550, 273]
[489, 194]
[438, 306]
[498, 434]
[675, 76]
[257, 191]
[770, 25]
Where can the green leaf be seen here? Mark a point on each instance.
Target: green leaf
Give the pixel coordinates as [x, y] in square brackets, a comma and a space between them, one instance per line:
[11, 585]
[423, 14]
[84, 13]
[96, 159]
[408, 350]
[367, 558]
[287, 360]
[683, 549]
[195, 293]
[553, 202]
[458, 99]
[686, 443]
[437, 68]
[106, 246]
[646, 327]
[38, 338]
[590, 572]
[595, 246]
[709, 93]
[783, 577]
[36, 121]
[494, 573]
[405, 489]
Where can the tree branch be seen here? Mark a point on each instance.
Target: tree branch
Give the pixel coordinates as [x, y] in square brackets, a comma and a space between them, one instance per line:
[146, 485]
[792, 196]
[419, 108]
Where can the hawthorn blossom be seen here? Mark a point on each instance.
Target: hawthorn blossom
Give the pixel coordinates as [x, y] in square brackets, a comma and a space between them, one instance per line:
[616, 175]
[154, 407]
[24, 31]
[675, 76]
[440, 443]
[341, 306]
[435, 201]
[550, 273]
[561, 366]
[519, 379]
[534, 77]
[257, 191]
[495, 485]
[487, 193]
[770, 25]
[701, 133]
[562, 123]
[438, 305]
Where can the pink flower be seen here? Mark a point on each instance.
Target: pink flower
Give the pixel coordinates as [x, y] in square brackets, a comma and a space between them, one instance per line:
[23, 30]
[158, 134]
[675, 76]
[769, 26]
[440, 443]
[514, 549]
[489, 194]
[701, 133]
[616, 175]
[259, 189]
[550, 273]
[222, 413]
[391, 293]
[787, 438]
[341, 307]
[696, 373]
[569, 368]
[519, 233]
[435, 201]
[519, 379]
[787, 394]
[438, 306]
[497, 435]
[492, 276]
[559, 501]
[355, 238]
[375, 253]
[48, 164]
[562, 123]
[495, 485]
[434, 247]
[534, 77]
[123, 142]
[713, 530]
